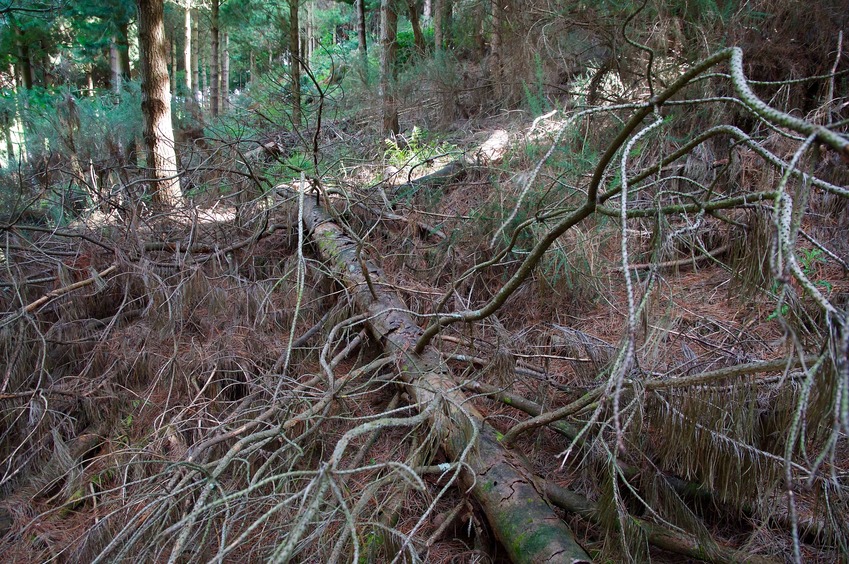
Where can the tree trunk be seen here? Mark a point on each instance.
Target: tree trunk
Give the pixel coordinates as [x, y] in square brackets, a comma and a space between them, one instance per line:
[172, 51]
[187, 49]
[195, 68]
[7, 125]
[446, 23]
[437, 25]
[69, 116]
[214, 76]
[123, 41]
[295, 66]
[389, 45]
[89, 79]
[361, 36]
[252, 68]
[225, 74]
[495, 74]
[114, 66]
[204, 77]
[24, 66]
[418, 36]
[523, 522]
[156, 105]
[310, 32]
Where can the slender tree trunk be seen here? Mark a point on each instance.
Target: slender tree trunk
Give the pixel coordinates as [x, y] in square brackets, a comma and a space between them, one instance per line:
[123, 41]
[16, 121]
[48, 76]
[426, 12]
[418, 36]
[389, 45]
[204, 76]
[253, 68]
[214, 76]
[172, 52]
[156, 105]
[8, 123]
[114, 66]
[89, 78]
[69, 115]
[437, 24]
[359, 6]
[294, 53]
[187, 48]
[225, 74]
[195, 57]
[447, 11]
[495, 73]
[27, 79]
[310, 32]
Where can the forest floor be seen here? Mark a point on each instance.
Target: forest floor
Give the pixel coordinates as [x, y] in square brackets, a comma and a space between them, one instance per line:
[188, 338]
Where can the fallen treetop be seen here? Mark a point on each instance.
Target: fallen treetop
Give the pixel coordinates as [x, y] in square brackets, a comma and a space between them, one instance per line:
[523, 522]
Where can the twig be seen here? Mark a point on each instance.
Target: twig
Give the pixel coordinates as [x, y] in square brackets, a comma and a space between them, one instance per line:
[67, 289]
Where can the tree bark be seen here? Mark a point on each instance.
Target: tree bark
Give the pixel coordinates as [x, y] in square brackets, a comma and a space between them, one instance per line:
[252, 67]
[204, 82]
[156, 105]
[225, 74]
[24, 66]
[195, 66]
[361, 26]
[389, 45]
[15, 122]
[187, 48]
[172, 50]
[495, 74]
[418, 36]
[295, 56]
[214, 76]
[123, 41]
[7, 136]
[114, 66]
[447, 10]
[89, 79]
[437, 25]
[523, 522]
[361, 36]
[310, 32]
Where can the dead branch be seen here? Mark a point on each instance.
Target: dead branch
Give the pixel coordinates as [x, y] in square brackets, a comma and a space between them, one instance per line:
[498, 479]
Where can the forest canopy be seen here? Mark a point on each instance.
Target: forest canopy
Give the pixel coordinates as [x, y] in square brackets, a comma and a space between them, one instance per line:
[424, 281]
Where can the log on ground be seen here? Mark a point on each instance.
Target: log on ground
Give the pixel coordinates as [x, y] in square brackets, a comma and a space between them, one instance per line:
[527, 527]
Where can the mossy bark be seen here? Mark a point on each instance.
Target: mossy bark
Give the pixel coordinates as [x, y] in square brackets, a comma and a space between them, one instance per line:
[523, 522]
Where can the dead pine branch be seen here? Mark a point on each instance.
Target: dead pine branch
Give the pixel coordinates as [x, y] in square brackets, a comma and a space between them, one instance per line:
[523, 522]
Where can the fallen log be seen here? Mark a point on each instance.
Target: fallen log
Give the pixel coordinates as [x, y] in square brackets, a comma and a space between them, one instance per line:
[524, 523]
[488, 154]
[660, 536]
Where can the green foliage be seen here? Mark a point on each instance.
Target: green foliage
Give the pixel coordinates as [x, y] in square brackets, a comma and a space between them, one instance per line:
[59, 126]
[416, 149]
[298, 163]
[535, 98]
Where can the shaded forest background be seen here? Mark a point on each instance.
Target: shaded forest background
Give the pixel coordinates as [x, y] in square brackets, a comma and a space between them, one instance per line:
[440, 281]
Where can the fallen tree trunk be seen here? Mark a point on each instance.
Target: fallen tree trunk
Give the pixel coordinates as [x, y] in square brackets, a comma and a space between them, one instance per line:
[658, 535]
[488, 154]
[527, 527]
